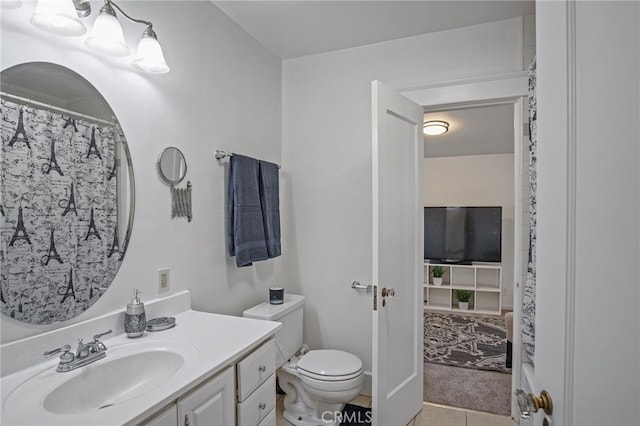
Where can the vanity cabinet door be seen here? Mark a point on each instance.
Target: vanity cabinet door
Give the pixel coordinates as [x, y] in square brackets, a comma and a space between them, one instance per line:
[211, 404]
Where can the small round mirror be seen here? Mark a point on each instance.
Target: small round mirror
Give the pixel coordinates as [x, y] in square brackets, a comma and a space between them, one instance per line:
[172, 166]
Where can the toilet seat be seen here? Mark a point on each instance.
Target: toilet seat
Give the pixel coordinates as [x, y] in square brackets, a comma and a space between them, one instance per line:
[320, 377]
[329, 365]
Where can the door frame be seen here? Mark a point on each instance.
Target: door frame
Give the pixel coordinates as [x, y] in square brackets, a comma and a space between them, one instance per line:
[509, 88]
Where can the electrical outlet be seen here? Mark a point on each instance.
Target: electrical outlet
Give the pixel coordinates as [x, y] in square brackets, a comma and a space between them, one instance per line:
[163, 279]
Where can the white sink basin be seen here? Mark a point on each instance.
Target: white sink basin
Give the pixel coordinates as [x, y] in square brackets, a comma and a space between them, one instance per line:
[127, 372]
[113, 381]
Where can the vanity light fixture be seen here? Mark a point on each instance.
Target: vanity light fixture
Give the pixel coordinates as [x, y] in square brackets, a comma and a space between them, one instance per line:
[107, 37]
[58, 16]
[62, 17]
[435, 127]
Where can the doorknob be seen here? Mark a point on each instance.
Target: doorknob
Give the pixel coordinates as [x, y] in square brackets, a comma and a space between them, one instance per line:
[387, 292]
[528, 403]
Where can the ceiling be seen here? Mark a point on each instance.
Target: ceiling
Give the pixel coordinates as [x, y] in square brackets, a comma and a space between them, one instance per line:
[472, 131]
[291, 29]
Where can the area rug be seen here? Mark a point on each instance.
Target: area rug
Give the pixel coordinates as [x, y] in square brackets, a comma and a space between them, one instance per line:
[468, 341]
[480, 390]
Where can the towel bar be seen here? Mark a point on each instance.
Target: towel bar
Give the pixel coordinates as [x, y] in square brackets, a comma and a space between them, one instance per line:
[220, 154]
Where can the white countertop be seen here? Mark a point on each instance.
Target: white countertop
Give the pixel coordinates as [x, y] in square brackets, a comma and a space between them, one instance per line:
[212, 343]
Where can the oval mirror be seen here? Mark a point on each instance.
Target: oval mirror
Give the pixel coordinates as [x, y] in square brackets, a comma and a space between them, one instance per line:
[66, 194]
[172, 166]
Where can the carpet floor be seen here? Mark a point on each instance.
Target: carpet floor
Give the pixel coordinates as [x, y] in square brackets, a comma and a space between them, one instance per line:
[480, 390]
[469, 341]
[464, 358]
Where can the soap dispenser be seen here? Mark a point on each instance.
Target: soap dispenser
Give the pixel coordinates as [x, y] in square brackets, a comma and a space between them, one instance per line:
[134, 317]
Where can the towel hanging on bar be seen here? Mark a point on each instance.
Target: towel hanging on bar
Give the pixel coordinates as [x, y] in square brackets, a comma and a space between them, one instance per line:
[253, 210]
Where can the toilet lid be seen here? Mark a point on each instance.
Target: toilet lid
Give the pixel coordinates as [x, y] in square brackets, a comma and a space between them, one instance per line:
[329, 362]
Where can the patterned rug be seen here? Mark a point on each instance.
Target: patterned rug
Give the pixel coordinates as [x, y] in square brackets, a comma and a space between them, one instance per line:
[469, 341]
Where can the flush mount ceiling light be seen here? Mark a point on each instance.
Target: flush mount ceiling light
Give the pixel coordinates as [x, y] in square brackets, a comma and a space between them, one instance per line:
[435, 127]
[62, 17]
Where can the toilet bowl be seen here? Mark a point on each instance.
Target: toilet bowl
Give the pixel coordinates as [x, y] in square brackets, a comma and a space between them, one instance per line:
[317, 383]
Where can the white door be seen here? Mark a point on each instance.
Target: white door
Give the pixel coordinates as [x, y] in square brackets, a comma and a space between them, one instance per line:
[587, 328]
[398, 151]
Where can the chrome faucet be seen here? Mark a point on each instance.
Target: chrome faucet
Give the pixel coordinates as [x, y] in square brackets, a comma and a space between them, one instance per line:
[86, 353]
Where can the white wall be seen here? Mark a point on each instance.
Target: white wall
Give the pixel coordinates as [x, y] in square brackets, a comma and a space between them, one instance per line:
[327, 147]
[477, 180]
[223, 91]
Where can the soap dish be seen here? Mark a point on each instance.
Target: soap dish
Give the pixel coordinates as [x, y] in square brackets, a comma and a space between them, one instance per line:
[162, 323]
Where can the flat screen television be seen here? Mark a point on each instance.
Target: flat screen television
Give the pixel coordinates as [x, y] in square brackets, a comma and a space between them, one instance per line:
[463, 234]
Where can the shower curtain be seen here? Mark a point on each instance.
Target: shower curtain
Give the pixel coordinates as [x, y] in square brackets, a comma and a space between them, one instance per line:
[58, 210]
[529, 296]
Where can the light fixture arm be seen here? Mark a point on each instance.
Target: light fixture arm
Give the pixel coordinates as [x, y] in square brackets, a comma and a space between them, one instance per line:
[137, 21]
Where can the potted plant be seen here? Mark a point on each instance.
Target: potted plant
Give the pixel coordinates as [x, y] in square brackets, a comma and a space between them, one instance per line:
[438, 272]
[463, 297]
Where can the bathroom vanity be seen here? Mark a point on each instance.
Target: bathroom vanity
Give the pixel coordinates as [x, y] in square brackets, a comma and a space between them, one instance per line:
[207, 370]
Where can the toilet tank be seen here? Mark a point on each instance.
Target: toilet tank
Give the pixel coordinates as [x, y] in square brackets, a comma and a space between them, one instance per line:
[290, 314]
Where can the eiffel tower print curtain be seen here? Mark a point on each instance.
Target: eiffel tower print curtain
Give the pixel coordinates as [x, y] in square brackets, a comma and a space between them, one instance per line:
[529, 294]
[59, 247]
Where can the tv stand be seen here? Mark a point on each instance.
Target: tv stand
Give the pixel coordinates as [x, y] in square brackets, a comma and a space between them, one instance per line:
[484, 281]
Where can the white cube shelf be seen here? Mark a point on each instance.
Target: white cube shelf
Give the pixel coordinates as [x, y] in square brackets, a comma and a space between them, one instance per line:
[484, 281]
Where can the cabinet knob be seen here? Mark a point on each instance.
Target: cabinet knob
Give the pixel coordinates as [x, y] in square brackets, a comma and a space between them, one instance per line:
[262, 406]
[262, 368]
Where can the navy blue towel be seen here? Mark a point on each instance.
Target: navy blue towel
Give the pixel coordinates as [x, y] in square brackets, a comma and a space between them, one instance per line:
[270, 199]
[245, 226]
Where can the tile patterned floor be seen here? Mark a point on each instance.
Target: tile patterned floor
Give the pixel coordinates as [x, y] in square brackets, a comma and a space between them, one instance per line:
[431, 415]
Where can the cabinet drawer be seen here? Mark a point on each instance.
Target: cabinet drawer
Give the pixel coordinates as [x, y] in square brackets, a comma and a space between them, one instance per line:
[270, 419]
[255, 369]
[258, 405]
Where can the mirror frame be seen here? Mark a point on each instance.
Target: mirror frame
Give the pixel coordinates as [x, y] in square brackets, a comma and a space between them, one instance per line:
[162, 175]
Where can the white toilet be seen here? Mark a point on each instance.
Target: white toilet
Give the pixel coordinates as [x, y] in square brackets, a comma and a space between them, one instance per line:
[319, 382]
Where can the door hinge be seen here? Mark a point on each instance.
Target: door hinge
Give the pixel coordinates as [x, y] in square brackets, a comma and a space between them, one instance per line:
[375, 297]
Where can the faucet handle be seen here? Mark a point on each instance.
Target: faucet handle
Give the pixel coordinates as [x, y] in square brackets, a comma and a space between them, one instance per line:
[97, 337]
[65, 349]
[65, 359]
